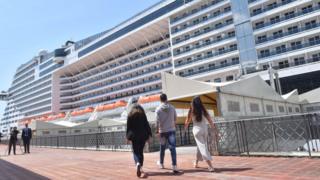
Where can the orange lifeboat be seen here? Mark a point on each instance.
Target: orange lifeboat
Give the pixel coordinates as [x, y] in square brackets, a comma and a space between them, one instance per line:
[81, 112]
[121, 103]
[106, 107]
[61, 115]
[148, 99]
[112, 106]
[43, 118]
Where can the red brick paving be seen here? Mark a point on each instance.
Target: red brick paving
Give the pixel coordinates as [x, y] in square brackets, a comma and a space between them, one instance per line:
[44, 163]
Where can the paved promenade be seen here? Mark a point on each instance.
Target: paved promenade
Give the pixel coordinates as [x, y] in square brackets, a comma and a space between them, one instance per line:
[44, 163]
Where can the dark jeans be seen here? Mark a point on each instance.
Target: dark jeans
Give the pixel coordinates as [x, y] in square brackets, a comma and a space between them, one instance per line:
[26, 145]
[169, 137]
[138, 147]
[12, 143]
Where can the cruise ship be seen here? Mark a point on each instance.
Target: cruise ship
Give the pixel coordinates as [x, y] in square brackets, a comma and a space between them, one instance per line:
[206, 40]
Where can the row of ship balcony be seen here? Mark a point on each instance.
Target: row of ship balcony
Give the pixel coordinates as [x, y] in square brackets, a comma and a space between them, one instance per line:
[108, 81]
[287, 17]
[37, 106]
[212, 68]
[26, 91]
[122, 60]
[29, 102]
[296, 63]
[202, 20]
[194, 11]
[16, 117]
[134, 76]
[270, 7]
[286, 64]
[288, 33]
[116, 98]
[206, 30]
[218, 53]
[112, 81]
[22, 83]
[113, 66]
[281, 50]
[25, 69]
[206, 43]
[106, 92]
[39, 111]
[104, 85]
[122, 73]
[22, 78]
[280, 66]
[15, 89]
[33, 94]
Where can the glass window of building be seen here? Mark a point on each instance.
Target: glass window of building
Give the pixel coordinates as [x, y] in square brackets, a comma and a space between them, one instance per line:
[233, 106]
[254, 107]
[217, 80]
[229, 78]
[281, 109]
[269, 108]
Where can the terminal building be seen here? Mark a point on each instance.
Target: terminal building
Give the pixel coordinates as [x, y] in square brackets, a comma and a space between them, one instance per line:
[204, 40]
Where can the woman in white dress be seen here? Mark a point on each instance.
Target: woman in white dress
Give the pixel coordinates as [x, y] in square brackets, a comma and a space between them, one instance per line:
[200, 118]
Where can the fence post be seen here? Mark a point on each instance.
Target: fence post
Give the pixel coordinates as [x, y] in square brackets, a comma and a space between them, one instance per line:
[237, 133]
[245, 138]
[181, 138]
[74, 141]
[274, 137]
[57, 141]
[188, 135]
[97, 140]
[112, 141]
[84, 141]
[317, 134]
[306, 120]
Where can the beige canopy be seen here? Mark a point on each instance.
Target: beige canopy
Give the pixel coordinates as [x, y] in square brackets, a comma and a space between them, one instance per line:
[180, 91]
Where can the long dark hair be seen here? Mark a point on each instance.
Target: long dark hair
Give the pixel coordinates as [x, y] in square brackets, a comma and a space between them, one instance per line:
[197, 109]
[136, 111]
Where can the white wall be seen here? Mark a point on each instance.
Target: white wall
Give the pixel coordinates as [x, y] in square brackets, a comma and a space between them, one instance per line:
[245, 104]
[314, 107]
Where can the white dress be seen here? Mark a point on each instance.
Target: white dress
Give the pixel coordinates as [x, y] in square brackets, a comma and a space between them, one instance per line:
[200, 133]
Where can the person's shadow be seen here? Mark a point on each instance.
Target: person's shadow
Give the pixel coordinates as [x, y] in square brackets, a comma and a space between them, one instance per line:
[168, 173]
[196, 170]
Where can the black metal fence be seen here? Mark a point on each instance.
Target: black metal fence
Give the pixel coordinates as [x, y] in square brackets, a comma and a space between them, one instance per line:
[103, 138]
[294, 135]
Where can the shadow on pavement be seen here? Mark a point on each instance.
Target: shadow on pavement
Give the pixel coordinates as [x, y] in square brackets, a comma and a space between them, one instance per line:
[10, 171]
[204, 170]
[219, 170]
[164, 173]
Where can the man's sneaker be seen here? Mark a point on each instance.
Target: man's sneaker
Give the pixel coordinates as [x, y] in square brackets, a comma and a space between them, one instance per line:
[211, 169]
[175, 169]
[161, 166]
[138, 169]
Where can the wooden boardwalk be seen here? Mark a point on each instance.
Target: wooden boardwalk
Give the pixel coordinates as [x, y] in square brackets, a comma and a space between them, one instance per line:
[45, 163]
